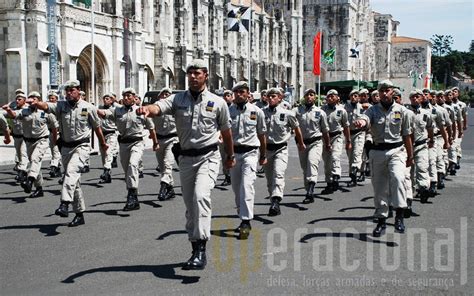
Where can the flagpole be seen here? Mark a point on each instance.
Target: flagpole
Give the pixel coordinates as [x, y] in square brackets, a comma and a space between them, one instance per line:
[93, 100]
[249, 50]
[319, 77]
[335, 63]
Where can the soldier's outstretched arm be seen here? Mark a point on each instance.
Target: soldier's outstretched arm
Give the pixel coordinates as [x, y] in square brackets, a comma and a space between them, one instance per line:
[299, 139]
[149, 110]
[263, 148]
[409, 147]
[101, 138]
[229, 148]
[41, 105]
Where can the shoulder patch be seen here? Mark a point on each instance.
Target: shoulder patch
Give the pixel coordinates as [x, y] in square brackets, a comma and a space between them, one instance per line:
[317, 113]
[42, 115]
[338, 112]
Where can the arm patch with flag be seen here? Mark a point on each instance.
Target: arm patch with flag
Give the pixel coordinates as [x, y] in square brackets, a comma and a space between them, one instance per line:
[238, 18]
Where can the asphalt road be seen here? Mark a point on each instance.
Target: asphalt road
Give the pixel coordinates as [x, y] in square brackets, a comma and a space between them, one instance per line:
[322, 248]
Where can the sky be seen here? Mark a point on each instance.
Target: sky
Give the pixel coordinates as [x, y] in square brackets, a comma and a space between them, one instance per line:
[447, 17]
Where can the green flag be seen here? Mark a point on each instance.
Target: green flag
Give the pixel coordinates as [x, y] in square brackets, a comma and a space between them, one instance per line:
[87, 3]
[328, 55]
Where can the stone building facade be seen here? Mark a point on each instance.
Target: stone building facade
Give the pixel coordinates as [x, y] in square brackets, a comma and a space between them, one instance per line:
[146, 44]
[347, 24]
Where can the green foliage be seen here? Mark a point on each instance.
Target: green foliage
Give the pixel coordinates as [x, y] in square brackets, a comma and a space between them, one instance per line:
[441, 44]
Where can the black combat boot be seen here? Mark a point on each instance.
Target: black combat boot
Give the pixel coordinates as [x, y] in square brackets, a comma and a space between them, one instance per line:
[141, 175]
[63, 210]
[105, 177]
[441, 181]
[244, 229]
[21, 176]
[309, 194]
[114, 162]
[408, 212]
[458, 163]
[432, 190]
[61, 180]
[198, 260]
[27, 184]
[171, 193]
[335, 182]
[353, 176]
[275, 206]
[78, 220]
[328, 189]
[452, 168]
[380, 228]
[424, 194]
[37, 193]
[132, 200]
[226, 181]
[399, 226]
[162, 195]
[390, 211]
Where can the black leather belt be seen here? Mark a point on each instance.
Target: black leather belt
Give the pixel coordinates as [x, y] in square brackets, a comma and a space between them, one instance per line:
[198, 152]
[164, 137]
[72, 144]
[32, 140]
[311, 140]
[274, 147]
[17, 136]
[129, 140]
[356, 131]
[421, 142]
[386, 146]
[244, 148]
[107, 132]
[333, 134]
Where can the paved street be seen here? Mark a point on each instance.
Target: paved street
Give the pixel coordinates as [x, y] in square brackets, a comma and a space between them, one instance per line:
[321, 248]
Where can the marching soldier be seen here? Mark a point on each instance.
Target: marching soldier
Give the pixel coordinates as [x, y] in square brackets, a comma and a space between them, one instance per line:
[54, 170]
[36, 136]
[374, 97]
[440, 137]
[228, 98]
[109, 130]
[131, 128]
[248, 132]
[165, 127]
[442, 154]
[462, 113]
[422, 140]
[354, 111]
[314, 129]
[200, 116]
[76, 119]
[263, 102]
[5, 130]
[365, 168]
[391, 153]
[338, 123]
[280, 122]
[21, 158]
[456, 121]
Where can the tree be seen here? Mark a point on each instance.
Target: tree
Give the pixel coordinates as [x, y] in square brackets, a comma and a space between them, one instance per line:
[441, 44]
[471, 47]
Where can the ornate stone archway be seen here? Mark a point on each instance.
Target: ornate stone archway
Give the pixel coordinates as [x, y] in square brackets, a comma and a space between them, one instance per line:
[84, 64]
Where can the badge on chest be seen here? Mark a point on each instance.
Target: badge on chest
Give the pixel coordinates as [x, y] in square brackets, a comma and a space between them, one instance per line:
[282, 117]
[397, 115]
[253, 115]
[84, 112]
[210, 106]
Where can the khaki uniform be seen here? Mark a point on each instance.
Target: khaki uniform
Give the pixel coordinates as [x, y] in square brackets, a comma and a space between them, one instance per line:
[55, 154]
[313, 122]
[36, 136]
[438, 124]
[453, 116]
[422, 121]
[21, 158]
[131, 128]
[354, 155]
[198, 125]
[3, 122]
[75, 125]
[460, 109]
[280, 122]
[441, 153]
[167, 136]
[388, 156]
[247, 124]
[337, 120]
[109, 130]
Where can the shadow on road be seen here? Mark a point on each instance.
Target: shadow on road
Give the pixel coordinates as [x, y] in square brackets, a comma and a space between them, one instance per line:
[364, 237]
[366, 218]
[170, 233]
[47, 229]
[165, 271]
[356, 208]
